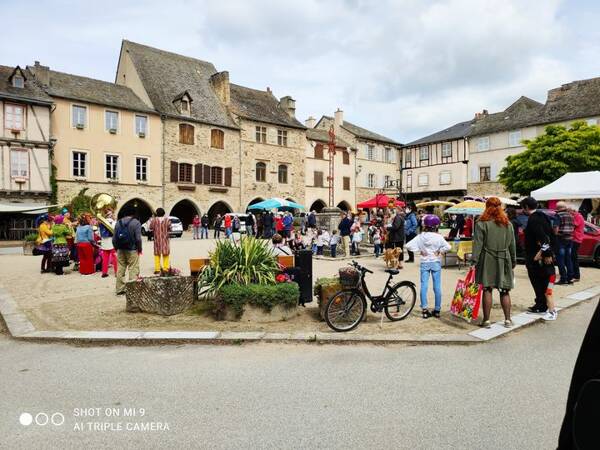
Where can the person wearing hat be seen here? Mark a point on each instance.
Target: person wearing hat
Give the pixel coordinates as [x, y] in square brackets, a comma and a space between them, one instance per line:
[564, 230]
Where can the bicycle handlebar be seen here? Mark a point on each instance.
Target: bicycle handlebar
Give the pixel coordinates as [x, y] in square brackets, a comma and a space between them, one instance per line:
[359, 267]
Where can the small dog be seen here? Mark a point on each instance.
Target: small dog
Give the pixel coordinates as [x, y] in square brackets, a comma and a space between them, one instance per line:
[392, 256]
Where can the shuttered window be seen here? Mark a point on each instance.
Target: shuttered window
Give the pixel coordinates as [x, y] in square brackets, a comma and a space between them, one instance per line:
[206, 174]
[319, 151]
[346, 157]
[261, 171]
[318, 179]
[186, 134]
[185, 173]
[282, 174]
[174, 172]
[346, 183]
[216, 175]
[228, 176]
[198, 174]
[217, 139]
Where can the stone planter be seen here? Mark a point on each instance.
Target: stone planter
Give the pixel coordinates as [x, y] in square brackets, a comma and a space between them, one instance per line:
[324, 294]
[28, 247]
[160, 295]
[259, 315]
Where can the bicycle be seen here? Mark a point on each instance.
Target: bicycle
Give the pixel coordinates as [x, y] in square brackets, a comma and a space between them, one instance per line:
[346, 309]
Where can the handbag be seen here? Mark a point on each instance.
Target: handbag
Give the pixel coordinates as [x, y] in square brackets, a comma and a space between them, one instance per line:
[467, 297]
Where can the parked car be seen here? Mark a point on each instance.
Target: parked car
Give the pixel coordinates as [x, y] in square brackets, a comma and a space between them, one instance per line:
[589, 250]
[242, 218]
[176, 228]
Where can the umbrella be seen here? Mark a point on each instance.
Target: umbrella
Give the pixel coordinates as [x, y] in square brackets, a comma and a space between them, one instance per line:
[276, 203]
[434, 203]
[504, 200]
[470, 207]
[379, 201]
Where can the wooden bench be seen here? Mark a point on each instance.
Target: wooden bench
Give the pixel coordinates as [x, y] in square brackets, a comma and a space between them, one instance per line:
[197, 264]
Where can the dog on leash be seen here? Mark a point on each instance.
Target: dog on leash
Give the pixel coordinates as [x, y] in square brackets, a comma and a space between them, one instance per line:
[392, 258]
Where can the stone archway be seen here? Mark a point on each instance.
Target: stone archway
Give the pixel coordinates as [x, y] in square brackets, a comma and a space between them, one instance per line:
[253, 202]
[317, 206]
[184, 210]
[219, 207]
[344, 206]
[141, 209]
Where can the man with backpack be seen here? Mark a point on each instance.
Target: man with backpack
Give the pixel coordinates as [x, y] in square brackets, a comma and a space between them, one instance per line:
[127, 240]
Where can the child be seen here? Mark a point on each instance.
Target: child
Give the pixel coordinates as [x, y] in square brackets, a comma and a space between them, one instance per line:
[551, 314]
[377, 242]
[333, 243]
[430, 245]
[322, 239]
[357, 236]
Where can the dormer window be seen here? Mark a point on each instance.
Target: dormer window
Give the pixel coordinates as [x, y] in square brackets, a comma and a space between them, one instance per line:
[185, 106]
[18, 81]
[183, 103]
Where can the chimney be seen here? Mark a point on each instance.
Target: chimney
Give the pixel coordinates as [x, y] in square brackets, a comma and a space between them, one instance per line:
[310, 122]
[40, 73]
[288, 104]
[338, 120]
[269, 90]
[481, 115]
[220, 83]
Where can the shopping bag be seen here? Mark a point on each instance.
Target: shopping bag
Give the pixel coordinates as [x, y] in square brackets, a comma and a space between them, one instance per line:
[467, 297]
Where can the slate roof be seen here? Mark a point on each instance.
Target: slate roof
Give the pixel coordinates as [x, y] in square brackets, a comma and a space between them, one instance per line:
[457, 131]
[321, 135]
[261, 106]
[31, 91]
[523, 112]
[363, 132]
[166, 75]
[575, 100]
[83, 89]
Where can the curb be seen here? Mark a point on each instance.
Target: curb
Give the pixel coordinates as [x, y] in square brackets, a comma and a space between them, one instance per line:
[21, 328]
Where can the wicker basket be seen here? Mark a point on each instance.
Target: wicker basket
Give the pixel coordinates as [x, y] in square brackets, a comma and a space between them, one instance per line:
[349, 277]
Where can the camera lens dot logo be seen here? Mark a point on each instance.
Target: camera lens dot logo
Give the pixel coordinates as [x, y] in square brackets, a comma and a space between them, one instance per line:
[41, 419]
[25, 419]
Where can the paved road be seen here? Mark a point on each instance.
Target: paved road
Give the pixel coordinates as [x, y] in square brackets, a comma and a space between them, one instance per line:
[500, 395]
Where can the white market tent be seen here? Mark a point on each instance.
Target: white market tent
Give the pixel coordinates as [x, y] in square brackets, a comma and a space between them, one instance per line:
[573, 185]
[24, 208]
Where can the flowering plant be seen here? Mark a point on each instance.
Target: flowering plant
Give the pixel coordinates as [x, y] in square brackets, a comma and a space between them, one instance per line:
[283, 278]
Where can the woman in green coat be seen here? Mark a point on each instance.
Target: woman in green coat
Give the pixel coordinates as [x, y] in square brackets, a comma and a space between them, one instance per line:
[60, 249]
[494, 257]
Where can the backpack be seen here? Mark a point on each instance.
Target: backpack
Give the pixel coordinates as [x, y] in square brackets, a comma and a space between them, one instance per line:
[123, 238]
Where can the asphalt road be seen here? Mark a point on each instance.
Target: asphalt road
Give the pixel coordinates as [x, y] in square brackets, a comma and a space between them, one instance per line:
[509, 394]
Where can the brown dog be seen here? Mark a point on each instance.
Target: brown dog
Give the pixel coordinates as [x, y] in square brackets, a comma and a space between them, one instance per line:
[391, 256]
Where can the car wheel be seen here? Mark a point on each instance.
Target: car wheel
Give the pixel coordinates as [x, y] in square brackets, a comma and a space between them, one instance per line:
[597, 258]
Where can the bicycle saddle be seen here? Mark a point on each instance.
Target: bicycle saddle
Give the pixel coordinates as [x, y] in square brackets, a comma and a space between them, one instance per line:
[392, 271]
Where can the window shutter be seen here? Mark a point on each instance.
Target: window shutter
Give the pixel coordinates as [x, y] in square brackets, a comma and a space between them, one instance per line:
[227, 176]
[493, 171]
[206, 171]
[174, 172]
[198, 173]
[474, 174]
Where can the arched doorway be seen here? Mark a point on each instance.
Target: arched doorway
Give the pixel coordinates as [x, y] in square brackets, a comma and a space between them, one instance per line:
[184, 210]
[344, 206]
[253, 202]
[218, 208]
[317, 206]
[140, 208]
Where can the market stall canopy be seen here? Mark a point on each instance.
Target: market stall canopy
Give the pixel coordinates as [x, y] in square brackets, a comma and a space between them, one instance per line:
[24, 208]
[573, 185]
[379, 201]
[275, 203]
[434, 203]
[469, 207]
[504, 200]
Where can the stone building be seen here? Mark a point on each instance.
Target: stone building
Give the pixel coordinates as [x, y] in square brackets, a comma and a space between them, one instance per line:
[107, 140]
[317, 170]
[377, 158]
[25, 149]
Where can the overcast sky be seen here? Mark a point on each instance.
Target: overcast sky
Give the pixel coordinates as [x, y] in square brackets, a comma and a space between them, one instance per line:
[402, 68]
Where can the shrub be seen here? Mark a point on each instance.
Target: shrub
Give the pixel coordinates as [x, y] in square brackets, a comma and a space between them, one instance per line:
[235, 296]
[31, 237]
[324, 283]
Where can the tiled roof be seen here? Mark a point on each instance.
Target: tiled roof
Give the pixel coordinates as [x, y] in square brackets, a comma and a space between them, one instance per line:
[363, 132]
[575, 100]
[83, 89]
[321, 135]
[261, 106]
[523, 112]
[31, 90]
[166, 75]
[457, 131]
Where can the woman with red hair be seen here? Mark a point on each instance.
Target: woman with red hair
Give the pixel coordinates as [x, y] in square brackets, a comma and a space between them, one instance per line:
[494, 257]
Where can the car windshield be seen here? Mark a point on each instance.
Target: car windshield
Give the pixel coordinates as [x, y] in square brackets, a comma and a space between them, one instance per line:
[175, 220]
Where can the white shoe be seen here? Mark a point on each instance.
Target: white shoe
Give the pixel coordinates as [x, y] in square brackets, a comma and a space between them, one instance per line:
[550, 315]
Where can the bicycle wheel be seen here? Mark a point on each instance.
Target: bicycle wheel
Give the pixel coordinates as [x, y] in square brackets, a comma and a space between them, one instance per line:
[345, 310]
[400, 301]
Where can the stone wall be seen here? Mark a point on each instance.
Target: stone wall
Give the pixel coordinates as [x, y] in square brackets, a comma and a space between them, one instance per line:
[486, 188]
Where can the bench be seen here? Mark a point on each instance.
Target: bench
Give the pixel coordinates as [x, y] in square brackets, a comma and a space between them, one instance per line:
[197, 264]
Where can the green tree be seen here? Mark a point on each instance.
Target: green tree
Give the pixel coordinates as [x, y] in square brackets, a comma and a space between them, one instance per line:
[80, 203]
[549, 156]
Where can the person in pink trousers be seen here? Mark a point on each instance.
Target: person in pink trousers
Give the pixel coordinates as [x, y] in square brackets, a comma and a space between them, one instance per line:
[109, 255]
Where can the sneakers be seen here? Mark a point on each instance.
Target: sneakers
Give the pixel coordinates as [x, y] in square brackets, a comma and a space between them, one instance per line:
[550, 315]
[536, 310]
[508, 323]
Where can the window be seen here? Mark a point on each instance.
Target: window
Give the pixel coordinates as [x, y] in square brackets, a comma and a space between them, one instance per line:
[483, 144]
[371, 180]
[318, 179]
[13, 117]
[424, 154]
[217, 139]
[346, 181]
[446, 149]
[282, 174]
[112, 167]
[423, 179]
[111, 121]
[387, 181]
[485, 173]
[409, 180]
[79, 114]
[319, 151]
[389, 155]
[186, 134]
[185, 106]
[408, 156]
[19, 163]
[345, 157]
[514, 138]
[282, 138]
[261, 171]
[370, 153]
[141, 125]
[445, 177]
[141, 169]
[216, 175]
[185, 173]
[261, 135]
[18, 81]
[79, 167]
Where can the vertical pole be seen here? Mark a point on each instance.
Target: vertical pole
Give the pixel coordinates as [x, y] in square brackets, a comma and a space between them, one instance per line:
[330, 177]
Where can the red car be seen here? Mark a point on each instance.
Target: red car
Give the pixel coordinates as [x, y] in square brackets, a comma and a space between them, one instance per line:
[589, 250]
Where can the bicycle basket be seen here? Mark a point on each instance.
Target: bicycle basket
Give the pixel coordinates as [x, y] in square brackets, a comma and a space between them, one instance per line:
[349, 277]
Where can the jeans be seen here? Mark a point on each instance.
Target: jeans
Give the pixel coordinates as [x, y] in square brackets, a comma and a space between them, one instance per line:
[378, 249]
[228, 232]
[217, 234]
[203, 232]
[196, 230]
[564, 261]
[575, 260]
[333, 250]
[319, 250]
[435, 269]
